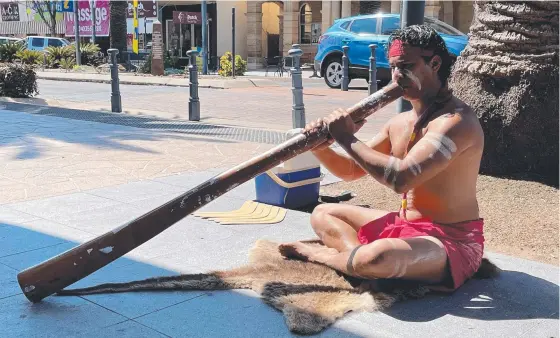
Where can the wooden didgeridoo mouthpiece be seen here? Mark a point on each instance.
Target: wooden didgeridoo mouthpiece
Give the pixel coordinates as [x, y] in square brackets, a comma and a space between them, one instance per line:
[55, 274]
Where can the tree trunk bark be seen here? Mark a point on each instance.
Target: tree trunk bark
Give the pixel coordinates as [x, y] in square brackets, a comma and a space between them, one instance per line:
[118, 26]
[508, 74]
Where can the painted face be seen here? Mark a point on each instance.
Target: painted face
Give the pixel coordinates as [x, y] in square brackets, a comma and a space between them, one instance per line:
[409, 69]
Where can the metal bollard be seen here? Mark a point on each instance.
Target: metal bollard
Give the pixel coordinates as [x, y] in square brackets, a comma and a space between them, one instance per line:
[298, 109]
[345, 79]
[116, 106]
[372, 88]
[194, 102]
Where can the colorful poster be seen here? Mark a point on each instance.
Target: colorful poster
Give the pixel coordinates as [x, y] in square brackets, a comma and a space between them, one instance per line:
[84, 13]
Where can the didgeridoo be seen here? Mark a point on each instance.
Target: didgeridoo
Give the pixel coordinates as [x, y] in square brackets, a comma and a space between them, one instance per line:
[53, 275]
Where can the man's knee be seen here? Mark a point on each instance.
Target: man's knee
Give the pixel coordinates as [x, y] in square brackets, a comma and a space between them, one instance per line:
[381, 259]
[396, 258]
[319, 214]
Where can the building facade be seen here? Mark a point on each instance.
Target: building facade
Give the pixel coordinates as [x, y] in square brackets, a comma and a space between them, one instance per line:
[264, 29]
[273, 26]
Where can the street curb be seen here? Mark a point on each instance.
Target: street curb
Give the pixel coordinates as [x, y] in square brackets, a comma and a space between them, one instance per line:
[127, 82]
[248, 82]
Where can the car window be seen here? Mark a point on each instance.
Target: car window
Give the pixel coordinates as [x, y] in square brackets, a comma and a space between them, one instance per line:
[364, 26]
[389, 25]
[345, 25]
[443, 29]
[37, 42]
[55, 43]
[2, 41]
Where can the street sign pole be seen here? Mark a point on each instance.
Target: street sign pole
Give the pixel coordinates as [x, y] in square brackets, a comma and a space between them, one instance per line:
[204, 38]
[77, 28]
[93, 24]
[412, 13]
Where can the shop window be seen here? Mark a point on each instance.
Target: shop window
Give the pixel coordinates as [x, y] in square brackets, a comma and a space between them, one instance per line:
[182, 38]
[309, 31]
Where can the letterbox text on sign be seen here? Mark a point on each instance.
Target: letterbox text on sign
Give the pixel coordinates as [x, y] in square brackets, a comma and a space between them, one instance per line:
[102, 19]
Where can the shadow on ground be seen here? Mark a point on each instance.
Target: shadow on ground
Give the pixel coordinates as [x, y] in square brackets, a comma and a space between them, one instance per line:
[74, 126]
[137, 314]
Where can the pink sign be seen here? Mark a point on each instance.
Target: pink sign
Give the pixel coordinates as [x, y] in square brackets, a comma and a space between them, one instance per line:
[85, 16]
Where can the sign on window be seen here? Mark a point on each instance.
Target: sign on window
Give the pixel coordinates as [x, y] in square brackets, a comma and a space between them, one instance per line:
[10, 11]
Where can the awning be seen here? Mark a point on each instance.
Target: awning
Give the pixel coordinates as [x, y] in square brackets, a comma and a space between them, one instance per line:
[23, 28]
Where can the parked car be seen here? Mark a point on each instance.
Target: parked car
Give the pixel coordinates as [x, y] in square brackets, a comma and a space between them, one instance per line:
[8, 39]
[358, 32]
[42, 42]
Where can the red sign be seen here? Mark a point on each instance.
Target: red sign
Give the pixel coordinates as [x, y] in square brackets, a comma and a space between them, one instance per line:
[85, 17]
[187, 18]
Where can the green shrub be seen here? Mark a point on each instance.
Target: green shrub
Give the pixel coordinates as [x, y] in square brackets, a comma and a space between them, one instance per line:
[9, 50]
[68, 63]
[56, 54]
[30, 57]
[89, 54]
[17, 80]
[147, 66]
[226, 66]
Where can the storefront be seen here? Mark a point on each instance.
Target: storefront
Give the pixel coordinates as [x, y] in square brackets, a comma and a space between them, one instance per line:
[182, 31]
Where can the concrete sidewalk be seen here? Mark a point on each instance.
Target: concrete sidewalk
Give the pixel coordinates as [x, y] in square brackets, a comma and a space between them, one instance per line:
[251, 80]
[121, 172]
[522, 302]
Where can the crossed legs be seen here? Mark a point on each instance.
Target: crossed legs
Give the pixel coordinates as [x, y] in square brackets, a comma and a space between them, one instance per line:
[337, 225]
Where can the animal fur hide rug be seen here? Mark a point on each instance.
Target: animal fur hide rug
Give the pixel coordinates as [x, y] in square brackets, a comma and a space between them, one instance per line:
[311, 296]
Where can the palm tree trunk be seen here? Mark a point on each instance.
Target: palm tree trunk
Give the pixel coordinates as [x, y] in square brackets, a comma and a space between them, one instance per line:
[118, 26]
[508, 74]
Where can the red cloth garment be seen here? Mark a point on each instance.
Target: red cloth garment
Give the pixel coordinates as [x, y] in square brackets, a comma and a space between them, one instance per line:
[463, 242]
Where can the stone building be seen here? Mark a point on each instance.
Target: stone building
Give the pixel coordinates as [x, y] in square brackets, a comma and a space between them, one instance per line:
[273, 26]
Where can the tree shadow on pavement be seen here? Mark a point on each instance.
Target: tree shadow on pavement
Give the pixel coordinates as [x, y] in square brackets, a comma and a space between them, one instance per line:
[231, 313]
[513, 295]
[29, 126]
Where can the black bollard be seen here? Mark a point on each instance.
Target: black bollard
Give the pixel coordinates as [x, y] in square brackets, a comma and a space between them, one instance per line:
[194, 102]
[116, 106]
[345, 79]
[372, 88]
[298, 109]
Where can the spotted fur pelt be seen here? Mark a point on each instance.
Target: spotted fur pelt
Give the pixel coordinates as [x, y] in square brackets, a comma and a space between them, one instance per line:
[311, 296]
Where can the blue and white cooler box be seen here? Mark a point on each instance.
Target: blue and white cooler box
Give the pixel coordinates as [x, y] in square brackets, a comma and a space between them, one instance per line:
[292, 184]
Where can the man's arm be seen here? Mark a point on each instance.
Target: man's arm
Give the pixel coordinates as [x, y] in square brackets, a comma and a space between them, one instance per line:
[432, 154]
[346, 167]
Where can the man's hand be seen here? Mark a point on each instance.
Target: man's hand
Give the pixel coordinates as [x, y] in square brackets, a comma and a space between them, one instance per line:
[340, 124]
[333, 122]
[315, 126]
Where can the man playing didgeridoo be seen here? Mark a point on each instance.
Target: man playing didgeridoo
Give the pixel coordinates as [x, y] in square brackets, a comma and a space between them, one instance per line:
[430, 155]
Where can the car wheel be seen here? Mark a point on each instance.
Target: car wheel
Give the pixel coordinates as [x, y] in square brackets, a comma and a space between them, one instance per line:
[333, 72]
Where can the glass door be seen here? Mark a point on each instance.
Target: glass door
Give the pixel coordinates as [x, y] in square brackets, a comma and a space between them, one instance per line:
[182, 38]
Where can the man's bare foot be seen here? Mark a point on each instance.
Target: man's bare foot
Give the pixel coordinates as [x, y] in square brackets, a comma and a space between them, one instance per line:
[295, 250]
[306, 252]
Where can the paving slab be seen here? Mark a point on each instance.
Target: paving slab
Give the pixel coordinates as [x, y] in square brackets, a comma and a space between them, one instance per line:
[59, 317]
[128, 329]
[8, 282]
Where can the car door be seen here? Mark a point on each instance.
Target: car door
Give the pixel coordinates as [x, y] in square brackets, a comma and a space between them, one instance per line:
[55, 43]
[363, 33]
[388, 25]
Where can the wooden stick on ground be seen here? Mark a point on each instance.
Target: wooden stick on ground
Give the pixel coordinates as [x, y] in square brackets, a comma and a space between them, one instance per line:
[53, 275]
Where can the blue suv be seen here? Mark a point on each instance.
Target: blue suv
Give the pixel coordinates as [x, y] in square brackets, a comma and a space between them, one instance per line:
[358, 32]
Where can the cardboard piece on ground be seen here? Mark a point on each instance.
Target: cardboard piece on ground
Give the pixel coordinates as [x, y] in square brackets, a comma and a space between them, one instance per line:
[246, 209]
[250, 213]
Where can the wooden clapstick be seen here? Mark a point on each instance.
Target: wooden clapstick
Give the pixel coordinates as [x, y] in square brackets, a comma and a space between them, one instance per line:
[53, 275]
